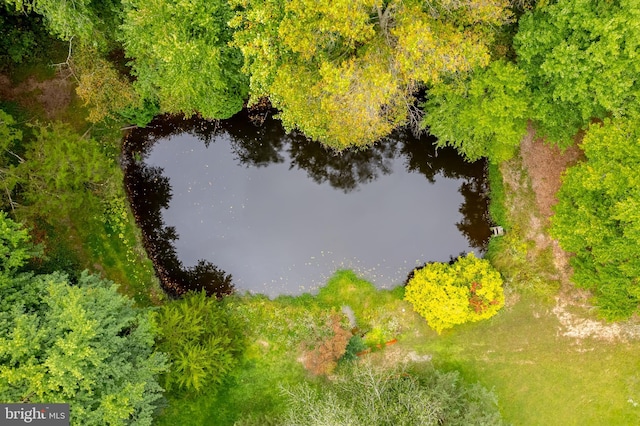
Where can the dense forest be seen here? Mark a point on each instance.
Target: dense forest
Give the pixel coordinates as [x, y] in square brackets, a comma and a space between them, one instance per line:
[84, 318]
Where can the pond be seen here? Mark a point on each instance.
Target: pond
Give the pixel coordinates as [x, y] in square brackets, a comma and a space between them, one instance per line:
[281, 214]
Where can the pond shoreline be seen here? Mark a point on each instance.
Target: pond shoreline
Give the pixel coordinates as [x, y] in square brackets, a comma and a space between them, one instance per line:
[329, 189]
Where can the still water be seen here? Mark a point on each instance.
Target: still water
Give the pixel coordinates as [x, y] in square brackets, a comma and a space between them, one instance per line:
[281, 213]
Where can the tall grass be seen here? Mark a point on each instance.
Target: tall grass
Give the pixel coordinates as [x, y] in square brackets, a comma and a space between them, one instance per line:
[525, 266]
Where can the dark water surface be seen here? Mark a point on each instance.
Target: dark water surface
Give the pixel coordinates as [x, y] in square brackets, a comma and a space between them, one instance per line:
[281, 214]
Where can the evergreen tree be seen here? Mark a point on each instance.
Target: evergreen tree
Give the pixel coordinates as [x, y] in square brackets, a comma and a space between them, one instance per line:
[83, 344]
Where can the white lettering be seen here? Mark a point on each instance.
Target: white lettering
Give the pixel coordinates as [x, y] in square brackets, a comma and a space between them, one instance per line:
[27, 416]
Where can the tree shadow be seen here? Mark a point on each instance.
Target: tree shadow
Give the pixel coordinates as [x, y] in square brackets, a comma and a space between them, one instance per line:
[149, 192]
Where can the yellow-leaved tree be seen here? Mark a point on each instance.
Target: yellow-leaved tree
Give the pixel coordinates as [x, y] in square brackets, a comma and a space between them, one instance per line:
[446, 295]
[346, 72]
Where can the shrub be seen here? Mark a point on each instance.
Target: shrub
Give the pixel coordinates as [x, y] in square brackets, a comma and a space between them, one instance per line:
[470, 289]
[355, 346]
[367, 395]
[202, 339]
[324, 358]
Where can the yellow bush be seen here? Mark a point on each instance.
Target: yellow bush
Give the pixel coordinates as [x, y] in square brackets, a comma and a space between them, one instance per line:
[447, 295]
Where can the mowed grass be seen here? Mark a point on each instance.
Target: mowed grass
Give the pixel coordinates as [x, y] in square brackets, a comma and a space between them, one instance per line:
[540, 376]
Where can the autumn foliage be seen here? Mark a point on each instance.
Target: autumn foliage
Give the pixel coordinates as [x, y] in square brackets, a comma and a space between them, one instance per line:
[347, 72]
[445, 295]
[323, 359]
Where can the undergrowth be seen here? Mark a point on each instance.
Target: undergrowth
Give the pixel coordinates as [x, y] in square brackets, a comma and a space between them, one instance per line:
[524, 264]
[102, 236]
[283, 334]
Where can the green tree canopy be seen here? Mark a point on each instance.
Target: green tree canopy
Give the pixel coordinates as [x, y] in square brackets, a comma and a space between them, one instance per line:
[84, 344]
[597, 217]
[10, 138]
[60, 172]
[483, 114]
[91, 21]
[446, 295]
[581, 59]
[181, 56]
[16, 248]
[346, 72]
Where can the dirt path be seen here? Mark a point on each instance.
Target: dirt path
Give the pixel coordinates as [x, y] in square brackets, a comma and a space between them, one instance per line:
[544, 166]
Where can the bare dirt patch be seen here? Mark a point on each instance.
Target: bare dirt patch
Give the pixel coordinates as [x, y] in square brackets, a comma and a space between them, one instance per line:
[545, 164]
[52, 96]
[576, 326]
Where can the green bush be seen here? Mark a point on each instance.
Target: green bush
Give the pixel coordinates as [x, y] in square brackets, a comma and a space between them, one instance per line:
[354, 346]
[446, 295]
[367, 395]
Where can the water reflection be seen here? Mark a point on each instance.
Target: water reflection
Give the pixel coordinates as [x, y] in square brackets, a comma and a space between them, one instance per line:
[267, 146]
[475, 211]
[152, 192]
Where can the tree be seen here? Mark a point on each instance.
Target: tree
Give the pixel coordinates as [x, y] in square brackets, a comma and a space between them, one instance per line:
[483, 114]
[10, 138]
[368, 395]
[61, 171]
[470, 289]
[107, 92]
[202, 339]
[581, 59]
[20, 37]
[92, 21]
[16, 248]
[181, 57]
[346, 72]
[597, 216]
[83, 344]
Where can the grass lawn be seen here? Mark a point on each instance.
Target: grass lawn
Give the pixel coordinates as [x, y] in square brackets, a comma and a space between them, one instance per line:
[540, 376]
